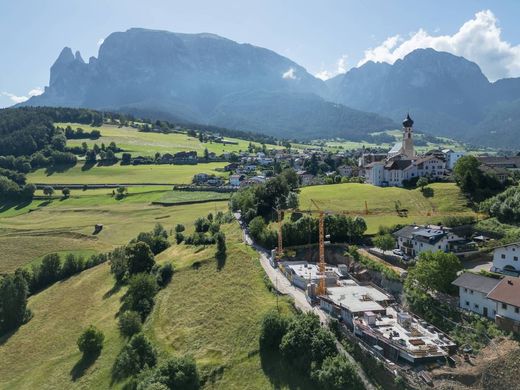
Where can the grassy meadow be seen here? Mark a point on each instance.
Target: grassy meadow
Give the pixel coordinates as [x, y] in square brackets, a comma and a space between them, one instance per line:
[29, 231]
[350, 198]
[147, 144]
[128, 174]
[212, 313]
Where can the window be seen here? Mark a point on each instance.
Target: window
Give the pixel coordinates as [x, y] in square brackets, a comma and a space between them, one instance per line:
[465, 290]
[503, 256]
[467, 303]
[471, 291]
[515, 258]
[476, 306]
[504, 306]
[516, 310]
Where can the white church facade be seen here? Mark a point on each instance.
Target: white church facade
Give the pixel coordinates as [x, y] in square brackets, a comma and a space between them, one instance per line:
[402, 164]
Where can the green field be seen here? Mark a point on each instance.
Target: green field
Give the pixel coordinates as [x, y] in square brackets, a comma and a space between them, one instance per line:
[147, 144]
[211, 314]
[173, 197]
[350, 198]
[128, 174]
[29, 231]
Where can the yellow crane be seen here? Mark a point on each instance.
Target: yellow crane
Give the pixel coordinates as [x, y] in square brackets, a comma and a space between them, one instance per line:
[321, 240]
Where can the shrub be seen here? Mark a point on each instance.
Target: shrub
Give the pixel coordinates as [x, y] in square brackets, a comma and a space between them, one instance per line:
[179, 228]
[13, 301]
[164, 274]
[129, 323]
[179, 237]
[174, 373]
[91, 341]
[336, 373]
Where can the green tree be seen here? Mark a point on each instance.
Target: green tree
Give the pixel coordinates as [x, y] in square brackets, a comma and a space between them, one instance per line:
[273, 328]
[257, 227]
[176, 373]
[336, 373]
[434, 271]
[179, 228]
[129, 323]
[422, 182]
[65, 192]
[385, 242]
[119, 264]
[140, 257]
[220, 253]
[141, 292]
[136, 355]
[13, 301]
[48, 191]
[90, 342]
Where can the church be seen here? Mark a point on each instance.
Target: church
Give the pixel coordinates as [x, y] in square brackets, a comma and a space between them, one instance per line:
[402, 164]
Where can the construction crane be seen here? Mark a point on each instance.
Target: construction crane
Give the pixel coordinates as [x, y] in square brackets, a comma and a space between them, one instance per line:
[321, 240]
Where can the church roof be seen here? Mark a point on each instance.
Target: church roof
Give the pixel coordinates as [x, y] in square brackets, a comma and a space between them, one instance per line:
[408, 122]
[396, 148]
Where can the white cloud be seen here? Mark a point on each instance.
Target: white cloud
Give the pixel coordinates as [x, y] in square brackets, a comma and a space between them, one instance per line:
[478, 40]
[340, 67]
[20, 99]
[100, 41]
[35, 92]
[290, 74]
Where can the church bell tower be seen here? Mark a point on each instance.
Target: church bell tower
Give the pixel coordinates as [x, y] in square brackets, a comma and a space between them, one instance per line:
[407, 148]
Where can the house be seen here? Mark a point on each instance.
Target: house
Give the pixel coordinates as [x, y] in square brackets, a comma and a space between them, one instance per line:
[506, 294]
[185, 157]
[505, 259]
[234, 180]
[451, 157]
[345, 170]
[302, 273]
[500, 161]
[501, 173]
[250, 168]
[473, 293]
[413, 240]
[231, 167]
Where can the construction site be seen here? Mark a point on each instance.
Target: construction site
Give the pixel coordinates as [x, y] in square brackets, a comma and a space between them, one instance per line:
[366, 311]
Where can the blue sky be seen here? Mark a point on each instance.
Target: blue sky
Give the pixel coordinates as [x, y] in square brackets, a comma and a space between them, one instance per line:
[326, 37]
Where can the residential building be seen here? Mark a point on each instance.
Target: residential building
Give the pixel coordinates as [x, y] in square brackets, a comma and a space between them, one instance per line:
[413, 240]
[506, 294]
[345, 170]
[235, 180]
[505, 259]
[452, 157]
[473, 293]
[302, 273]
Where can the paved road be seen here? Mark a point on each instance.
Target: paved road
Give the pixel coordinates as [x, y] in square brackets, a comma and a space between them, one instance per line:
[300, 301]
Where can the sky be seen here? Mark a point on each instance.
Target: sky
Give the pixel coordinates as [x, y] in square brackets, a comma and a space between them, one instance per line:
[326, 37]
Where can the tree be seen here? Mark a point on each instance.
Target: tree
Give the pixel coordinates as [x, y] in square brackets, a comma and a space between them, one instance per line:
[140, 258]
[50, 269]
[164, 274]
[336, 373]
[13, 301]
[121, 192]
[202, 225]
[176, 373]
[141, 292]
[90, 342]
[72, 265]
[422, 182]
[385, 242]
[434, 271]
[119, 264]
[273, 328]
[179, 228]
[256, 227]
[206, 154]
[292, 201]
[220, 254]
[136, 355]
[126, 159]
[129, 323]
[65, 192]
[48, 191]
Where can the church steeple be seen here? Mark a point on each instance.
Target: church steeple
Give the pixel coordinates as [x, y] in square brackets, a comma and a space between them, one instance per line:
[407, 148]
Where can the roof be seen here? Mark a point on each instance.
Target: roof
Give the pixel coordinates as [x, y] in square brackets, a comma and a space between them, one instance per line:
[507, 245]
[480, 283]
[408, 122]
[357, 298]
[396, 148]
[507, 291]
[398, 164]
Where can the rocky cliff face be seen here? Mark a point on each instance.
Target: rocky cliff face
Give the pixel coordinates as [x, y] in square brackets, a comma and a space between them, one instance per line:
[199, 78]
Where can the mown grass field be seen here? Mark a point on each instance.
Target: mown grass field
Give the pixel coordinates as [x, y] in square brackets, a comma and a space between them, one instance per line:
[210, 313]
[129, 174]
[350, 197]
[147, 144]
[29, 231]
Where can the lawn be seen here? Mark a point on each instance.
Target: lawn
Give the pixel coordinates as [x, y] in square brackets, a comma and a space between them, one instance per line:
[147, 144]
[125, 174]
[212, 314]
[174, 197]
[350, 198]
[32, 230]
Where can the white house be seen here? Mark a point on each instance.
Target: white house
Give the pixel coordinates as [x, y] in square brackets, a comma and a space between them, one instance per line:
[412, 240]
[473, 293]
[505, 259]
[234, 180]
[345, 170]
[506, 294]
[452, 157]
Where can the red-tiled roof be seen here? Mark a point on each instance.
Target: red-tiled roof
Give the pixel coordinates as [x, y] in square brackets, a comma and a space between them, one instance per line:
[507, 291]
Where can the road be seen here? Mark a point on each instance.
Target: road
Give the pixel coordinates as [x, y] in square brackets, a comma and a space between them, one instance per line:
[285, 287]
[366, 253]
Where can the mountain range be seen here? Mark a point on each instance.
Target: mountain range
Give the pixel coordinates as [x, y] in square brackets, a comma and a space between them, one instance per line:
[208, 79]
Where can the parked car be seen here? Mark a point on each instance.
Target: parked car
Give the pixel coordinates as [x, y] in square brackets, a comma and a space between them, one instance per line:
[398, 252]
